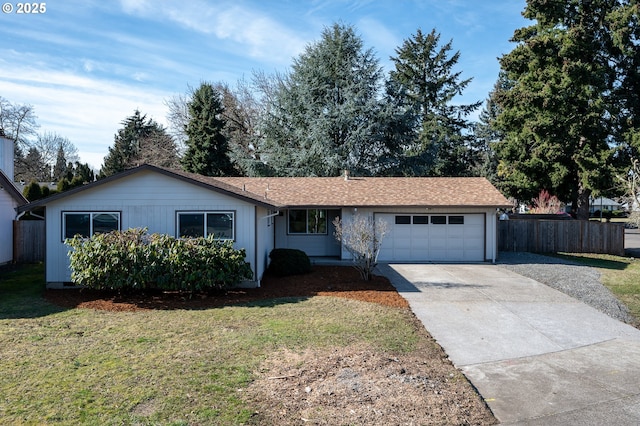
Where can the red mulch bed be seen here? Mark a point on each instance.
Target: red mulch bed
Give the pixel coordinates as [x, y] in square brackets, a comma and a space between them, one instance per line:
[336, 281]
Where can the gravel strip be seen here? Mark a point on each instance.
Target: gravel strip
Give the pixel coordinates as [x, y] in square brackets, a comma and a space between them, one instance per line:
[578, 281]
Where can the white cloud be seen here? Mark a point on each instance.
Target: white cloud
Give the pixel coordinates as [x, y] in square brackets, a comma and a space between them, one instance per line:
[85, 110]
[257, 35]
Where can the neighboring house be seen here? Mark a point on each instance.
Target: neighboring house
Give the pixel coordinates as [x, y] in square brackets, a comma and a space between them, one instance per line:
[10, 199]
[603, 204]
[430, 219]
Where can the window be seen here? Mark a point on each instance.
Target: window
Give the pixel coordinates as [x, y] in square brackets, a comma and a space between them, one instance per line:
[87, 224]
[421, 220]
[403, 220]
[456, 220]
[203, 224]
[308, 221]
[439, 220]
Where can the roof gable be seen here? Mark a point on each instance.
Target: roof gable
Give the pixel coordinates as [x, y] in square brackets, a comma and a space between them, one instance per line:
[194, 179]
[8, 185]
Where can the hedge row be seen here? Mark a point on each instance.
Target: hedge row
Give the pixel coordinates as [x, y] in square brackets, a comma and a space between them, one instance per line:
[135, 260]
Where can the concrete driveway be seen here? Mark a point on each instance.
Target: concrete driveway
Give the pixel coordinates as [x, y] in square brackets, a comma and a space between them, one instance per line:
[536, 355]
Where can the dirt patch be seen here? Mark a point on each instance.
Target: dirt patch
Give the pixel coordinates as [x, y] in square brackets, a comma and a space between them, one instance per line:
[358, 386]
[334, 386]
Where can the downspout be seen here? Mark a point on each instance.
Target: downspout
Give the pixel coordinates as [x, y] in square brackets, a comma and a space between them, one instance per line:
[494, 250]
[271, 215]
[255, 244]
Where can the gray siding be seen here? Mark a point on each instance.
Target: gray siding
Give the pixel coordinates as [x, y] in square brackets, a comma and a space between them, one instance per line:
[145, 199]
[321, 245]
[7, 214]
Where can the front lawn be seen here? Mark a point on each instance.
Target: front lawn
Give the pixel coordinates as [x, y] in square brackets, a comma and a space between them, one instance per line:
[620, 274]
[195, 366]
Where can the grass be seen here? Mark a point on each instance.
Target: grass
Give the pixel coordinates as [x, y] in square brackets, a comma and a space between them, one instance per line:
[169, 367]
[620, 274]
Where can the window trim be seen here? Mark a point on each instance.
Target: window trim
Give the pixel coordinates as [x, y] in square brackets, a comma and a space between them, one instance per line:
[205, 213]
[326, 220]
[91, 213]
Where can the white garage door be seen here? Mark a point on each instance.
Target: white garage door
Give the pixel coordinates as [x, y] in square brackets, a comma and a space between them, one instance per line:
[436, 237]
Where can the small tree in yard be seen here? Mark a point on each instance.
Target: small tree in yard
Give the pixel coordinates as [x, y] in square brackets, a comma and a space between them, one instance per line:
[362, 237]
[630, 184]
[546, 203]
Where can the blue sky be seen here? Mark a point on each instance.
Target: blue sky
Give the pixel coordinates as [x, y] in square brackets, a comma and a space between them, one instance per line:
[87, 65]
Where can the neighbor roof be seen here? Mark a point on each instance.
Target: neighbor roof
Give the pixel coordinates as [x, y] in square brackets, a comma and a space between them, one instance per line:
[282, 192]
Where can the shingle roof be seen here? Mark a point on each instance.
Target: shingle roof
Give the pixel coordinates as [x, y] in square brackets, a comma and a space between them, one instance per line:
[331, 191]
[373, 192]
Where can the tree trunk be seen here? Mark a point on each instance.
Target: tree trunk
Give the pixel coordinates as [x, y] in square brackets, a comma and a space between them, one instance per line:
[582, 209]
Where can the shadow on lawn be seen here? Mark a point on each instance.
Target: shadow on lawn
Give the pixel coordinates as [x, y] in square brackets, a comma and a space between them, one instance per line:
[21, 291]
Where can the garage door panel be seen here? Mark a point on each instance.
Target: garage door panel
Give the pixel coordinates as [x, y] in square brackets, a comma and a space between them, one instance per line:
[460, 238]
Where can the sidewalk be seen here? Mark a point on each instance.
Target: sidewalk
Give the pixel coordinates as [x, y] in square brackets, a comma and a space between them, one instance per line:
[537, 356]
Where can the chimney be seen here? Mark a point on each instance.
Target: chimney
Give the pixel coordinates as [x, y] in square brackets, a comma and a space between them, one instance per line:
[6, 156]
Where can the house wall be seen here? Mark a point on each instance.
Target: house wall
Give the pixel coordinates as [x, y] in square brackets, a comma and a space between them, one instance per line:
[491, 220]
[7, 214]
[320, 245]
[265, 234]
[144, 199]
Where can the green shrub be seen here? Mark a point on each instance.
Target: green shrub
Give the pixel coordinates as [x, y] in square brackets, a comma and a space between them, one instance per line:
[134, 260]
[289, 262]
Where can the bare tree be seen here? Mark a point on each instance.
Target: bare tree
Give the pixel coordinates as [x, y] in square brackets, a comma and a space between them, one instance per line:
[362, 237]
[157, 148]
[18, 122]
[630, 184]
[50, 145]
[178, 117]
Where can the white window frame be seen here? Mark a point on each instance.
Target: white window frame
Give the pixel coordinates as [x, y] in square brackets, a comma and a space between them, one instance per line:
[205, 213]
[91, 218]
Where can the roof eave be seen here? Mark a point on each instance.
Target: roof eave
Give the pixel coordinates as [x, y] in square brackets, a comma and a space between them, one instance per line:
[126, 173]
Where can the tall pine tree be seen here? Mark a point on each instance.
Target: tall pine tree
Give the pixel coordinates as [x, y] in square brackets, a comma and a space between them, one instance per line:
[326, 115]
[207, 147]
[140, 140]
[424, 73]
[557, 114]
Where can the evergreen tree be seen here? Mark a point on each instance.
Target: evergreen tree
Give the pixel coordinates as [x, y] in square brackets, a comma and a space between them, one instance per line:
[141, 140]
[625, 25]
[33, 191]
[326, 115]
[442, 145]
[60, 167]
[487, 134]
[35, 167]
[557, 114]
[207, 146]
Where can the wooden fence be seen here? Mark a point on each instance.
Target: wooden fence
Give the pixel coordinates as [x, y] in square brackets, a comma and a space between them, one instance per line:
[550, 236]
[28, 241]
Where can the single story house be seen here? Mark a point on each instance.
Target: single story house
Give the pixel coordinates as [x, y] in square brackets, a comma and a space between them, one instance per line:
[430, 219]
[603, 204]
